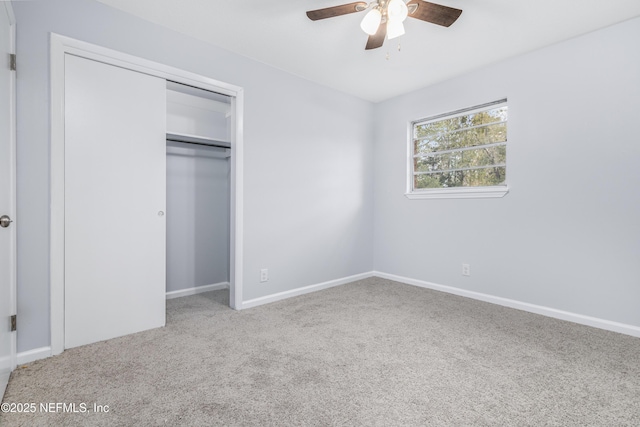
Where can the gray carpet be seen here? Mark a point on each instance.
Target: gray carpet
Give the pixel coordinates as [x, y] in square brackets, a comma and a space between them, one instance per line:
[372, 352]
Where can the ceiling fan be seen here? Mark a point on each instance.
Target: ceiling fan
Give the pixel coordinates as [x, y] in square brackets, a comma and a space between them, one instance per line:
[385, 17]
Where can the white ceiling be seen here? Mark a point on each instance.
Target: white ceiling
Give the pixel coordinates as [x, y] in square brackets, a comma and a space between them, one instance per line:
[331, 51]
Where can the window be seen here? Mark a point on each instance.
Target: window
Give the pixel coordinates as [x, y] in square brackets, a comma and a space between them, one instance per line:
[460, 154]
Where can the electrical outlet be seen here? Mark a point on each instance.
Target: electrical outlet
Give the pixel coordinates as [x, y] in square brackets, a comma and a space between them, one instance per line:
[466, 270]
[264, 275]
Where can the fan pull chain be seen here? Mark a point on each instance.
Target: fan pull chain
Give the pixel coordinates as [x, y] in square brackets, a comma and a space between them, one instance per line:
[387, 56]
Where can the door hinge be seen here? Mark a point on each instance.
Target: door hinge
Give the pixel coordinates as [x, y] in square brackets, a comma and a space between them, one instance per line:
[12, 61]
[13, 323]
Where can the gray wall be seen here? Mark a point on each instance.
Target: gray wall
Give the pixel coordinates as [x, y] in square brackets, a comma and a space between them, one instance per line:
[567, 236]
[197, 216]
[307, 197]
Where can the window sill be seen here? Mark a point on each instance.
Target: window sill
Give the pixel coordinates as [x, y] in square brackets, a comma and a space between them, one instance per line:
[459, 193]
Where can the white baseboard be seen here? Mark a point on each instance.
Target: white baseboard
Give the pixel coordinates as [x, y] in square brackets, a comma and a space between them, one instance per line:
[29, 356]
[305, 290]
[532, 308]
[44, 352]
[197, 290]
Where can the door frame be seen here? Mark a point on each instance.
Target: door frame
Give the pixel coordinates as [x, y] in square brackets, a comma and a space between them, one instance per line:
[12, 189]
[61, 46]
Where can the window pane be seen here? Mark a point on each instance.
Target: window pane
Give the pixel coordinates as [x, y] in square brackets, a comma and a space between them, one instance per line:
[469, 178]
[467, 148]
[461, 122]
[486, 156]
[464, 138]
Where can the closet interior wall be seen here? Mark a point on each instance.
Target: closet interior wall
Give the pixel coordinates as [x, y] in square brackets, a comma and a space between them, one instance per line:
[198, 190]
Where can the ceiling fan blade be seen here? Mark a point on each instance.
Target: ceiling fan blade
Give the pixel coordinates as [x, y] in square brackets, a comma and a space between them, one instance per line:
[376, 40]
[330, 12]
[434, 13]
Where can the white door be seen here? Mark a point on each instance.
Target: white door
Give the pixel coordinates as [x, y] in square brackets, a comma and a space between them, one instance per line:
[115, 191]
[7, 197]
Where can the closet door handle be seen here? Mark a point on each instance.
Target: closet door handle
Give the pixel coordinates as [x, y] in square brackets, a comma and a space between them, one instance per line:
[160, 213]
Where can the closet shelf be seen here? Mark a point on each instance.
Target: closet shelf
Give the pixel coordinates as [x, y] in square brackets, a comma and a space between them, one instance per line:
[198, 140]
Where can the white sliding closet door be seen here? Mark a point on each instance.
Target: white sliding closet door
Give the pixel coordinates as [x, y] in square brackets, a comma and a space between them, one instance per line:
[115, 194]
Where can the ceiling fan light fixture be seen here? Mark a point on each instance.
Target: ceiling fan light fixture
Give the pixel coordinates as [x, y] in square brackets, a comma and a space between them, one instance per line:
[395, 29]
[371, 21]
[384, 19]
[397, 10]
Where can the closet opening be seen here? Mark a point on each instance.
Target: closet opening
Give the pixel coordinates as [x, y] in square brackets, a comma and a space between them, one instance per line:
[199, 124]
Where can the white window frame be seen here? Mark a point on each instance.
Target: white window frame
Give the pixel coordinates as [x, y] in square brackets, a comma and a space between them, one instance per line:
[453, 192]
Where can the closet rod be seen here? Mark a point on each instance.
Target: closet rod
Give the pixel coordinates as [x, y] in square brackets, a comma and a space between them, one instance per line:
[188, 139]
